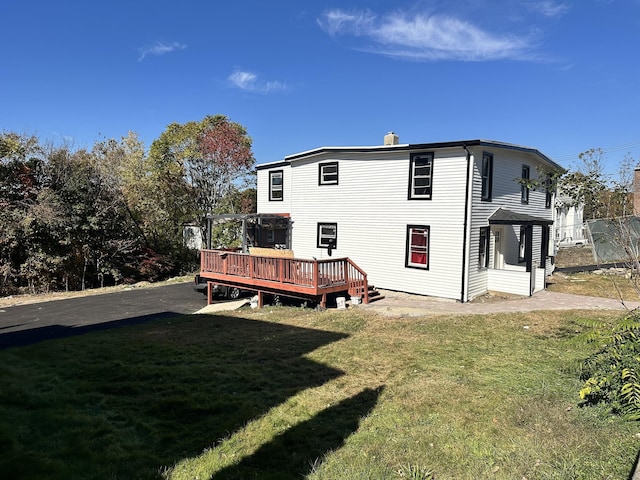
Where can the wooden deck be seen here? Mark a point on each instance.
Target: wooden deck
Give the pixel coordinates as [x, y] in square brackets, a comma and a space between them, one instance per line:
[313, 279]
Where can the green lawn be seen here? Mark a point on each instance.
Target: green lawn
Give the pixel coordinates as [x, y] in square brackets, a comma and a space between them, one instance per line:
[286, 393]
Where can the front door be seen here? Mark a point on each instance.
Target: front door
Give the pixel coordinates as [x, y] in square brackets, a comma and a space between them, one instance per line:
[498, 252]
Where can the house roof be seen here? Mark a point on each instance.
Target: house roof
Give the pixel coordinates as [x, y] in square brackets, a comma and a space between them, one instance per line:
[414, 146]
[502, 216]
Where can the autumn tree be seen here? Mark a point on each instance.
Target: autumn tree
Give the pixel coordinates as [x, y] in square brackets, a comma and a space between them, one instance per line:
[586, 183]
[210, 160]
[21, 160]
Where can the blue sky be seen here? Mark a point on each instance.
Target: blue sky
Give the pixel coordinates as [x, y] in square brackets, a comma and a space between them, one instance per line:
[561, 76]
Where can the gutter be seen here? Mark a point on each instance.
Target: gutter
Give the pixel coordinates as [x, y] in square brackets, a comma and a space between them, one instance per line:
[465, 233]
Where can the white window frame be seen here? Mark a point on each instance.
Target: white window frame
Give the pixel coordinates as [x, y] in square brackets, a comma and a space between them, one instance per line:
[421, 176]
[324, 236]
[483, 247]
[326, 176]
[276, 191]
[417, 249]
[522, 244]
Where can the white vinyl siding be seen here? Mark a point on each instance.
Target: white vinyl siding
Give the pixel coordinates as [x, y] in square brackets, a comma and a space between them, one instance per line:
[506, 193]
[373, 220]
[371, 206]
[266, 206]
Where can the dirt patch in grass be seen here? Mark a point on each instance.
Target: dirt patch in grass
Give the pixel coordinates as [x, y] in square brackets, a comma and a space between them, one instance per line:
[574, 257]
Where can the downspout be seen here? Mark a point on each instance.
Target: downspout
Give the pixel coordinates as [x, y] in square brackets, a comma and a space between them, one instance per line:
[465, 231]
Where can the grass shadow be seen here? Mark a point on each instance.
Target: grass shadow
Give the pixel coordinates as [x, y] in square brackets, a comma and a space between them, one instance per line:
[123, 402]
[295, 453]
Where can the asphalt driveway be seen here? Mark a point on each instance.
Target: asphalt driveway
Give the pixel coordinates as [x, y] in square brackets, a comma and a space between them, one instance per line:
[26, 324]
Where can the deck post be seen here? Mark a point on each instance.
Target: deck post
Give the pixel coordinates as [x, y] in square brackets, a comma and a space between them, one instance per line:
[209, 294]
[260, 299]
[315, 275]
[323, 302]
[345, 269]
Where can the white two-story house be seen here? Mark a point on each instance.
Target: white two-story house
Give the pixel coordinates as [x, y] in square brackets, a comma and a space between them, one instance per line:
[448, 219]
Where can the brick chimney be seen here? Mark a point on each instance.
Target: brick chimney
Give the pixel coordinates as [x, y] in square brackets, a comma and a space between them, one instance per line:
[636, 191]
[391, 139]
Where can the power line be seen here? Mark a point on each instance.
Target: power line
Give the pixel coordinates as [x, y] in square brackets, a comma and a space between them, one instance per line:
[615, 148]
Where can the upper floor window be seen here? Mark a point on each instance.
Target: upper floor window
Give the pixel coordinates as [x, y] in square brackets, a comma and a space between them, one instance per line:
[417, 254]
[524, 187]
[420, 176]
[487, 176]
[276, 183]
[548, 200]
[328, 173]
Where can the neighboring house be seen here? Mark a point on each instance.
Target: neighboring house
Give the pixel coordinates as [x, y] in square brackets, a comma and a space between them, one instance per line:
[569, 224]
[440, 219]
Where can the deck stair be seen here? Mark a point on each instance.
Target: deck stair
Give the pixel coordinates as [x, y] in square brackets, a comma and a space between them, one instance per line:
[374, 294]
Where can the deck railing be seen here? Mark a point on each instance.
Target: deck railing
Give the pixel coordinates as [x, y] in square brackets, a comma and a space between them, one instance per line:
[289, 274]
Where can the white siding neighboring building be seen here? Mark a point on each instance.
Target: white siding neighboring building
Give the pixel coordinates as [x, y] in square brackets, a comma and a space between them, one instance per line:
[440, 219]
[569, 224]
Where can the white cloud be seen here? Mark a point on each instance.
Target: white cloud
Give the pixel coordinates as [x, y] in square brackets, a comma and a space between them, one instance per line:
[249, 82]
[158, 49]
[550, 8]
[425, 37]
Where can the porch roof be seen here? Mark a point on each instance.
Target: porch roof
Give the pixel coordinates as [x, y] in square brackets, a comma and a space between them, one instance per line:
[502, 216]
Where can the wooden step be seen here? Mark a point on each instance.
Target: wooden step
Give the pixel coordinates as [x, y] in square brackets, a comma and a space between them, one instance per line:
[374, 295]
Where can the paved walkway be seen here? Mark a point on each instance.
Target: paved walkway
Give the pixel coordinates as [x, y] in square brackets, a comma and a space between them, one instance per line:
[397, 303]
[405, 304]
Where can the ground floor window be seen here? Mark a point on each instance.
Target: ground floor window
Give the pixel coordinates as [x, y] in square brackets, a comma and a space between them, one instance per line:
[522, 245]
[327, 235]
[483, 248]
[417, 254]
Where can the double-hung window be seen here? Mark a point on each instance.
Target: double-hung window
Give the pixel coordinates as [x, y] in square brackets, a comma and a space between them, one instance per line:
[522, 244]
[417, 255]
[328, 173]
[276, 186]
[548, 200]
[483, 248]
[524, 187]
[487, 176]
[327, 235]
[421, 176]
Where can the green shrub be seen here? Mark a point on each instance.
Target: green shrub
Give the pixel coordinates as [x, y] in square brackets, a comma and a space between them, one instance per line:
[612, 374]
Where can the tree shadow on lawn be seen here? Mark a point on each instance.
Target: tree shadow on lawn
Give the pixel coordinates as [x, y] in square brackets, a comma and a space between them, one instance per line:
[123, 403]
[296, 452]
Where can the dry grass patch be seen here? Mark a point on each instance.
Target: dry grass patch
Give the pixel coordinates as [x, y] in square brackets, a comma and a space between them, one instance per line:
[606, 285]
